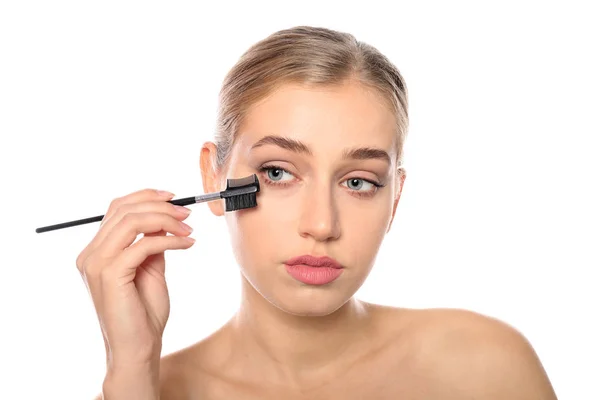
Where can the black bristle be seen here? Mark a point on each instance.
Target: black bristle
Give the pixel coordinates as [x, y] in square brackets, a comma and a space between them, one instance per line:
[240, 202]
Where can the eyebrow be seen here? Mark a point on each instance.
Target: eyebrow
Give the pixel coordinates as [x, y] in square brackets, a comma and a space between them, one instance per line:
[359, 153]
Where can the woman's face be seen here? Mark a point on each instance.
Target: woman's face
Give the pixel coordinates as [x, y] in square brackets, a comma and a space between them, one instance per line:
[319, 191]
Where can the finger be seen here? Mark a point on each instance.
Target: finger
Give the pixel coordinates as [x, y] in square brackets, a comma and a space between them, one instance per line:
[135, 197]
[139, 196]
[159, 233]
[149, 206]
[154, 262]
[124, 233]
[123, 209]
[127, 262]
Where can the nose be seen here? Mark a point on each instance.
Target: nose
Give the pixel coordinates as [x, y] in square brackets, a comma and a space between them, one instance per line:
[319, 218]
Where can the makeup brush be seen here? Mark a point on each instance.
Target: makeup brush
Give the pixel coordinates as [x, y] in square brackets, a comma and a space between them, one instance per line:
[239, 194]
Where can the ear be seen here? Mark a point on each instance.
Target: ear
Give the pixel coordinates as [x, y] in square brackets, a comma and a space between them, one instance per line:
[400, 177]
[211, 181]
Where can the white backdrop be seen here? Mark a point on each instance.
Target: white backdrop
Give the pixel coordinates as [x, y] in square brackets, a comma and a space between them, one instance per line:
[499, 212]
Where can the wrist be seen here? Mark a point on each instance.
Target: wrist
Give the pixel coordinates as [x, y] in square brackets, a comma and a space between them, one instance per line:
[132, 382]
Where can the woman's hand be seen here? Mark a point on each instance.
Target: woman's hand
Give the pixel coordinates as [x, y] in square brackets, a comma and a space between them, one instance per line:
[127, 281]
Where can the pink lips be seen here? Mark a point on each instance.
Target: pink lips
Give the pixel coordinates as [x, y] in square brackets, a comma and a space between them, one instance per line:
[313, 270]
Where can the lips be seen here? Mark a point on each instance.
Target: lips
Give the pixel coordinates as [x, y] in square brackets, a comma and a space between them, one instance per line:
[312, 261]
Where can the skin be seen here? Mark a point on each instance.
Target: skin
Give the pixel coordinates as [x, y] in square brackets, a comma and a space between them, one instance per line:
[295, 341]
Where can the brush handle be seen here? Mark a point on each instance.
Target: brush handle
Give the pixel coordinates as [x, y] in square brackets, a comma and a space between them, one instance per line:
[178, 202]
[69, 224]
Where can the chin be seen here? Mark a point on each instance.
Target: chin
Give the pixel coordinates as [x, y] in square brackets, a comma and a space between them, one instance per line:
[309, 301]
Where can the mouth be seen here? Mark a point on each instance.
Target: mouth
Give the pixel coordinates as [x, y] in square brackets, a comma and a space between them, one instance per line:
[313, 261]
[312, 270]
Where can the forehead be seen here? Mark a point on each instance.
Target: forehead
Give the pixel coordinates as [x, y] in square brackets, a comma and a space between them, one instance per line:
[350, 113]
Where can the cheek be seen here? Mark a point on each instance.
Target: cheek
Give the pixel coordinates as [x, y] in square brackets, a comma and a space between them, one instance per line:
[280, 206]
[259, 235]
[363, 229]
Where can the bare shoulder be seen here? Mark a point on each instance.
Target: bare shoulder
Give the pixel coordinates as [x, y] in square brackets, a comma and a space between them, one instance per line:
[199, 370]
[182, 375]
[173, 375]
[464, 352]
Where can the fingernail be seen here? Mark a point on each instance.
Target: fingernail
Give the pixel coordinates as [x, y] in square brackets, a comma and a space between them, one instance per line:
[163, 193]
[186, 227]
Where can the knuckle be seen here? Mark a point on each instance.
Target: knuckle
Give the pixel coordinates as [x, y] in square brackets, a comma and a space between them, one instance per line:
[90, 268]
[114, 204]
[79, 261]
[122, 209]
[112, 209]
[122, 213]
[128, 218]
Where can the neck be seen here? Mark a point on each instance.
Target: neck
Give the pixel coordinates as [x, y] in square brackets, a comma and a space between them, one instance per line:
[292, 348]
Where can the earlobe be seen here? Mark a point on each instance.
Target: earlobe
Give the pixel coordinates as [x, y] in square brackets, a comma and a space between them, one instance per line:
[400, 183]
[210, 176]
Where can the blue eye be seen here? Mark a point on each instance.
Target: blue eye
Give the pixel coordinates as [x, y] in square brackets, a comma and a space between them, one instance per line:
[357, 184]
[275, 173]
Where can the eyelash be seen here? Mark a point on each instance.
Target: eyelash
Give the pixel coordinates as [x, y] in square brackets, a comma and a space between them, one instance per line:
[264, 169]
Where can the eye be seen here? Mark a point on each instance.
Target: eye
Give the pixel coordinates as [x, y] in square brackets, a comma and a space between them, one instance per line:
[357, 184]
[275, 173]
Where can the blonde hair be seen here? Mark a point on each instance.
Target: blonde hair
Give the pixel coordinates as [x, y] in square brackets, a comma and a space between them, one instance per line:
[306, 55]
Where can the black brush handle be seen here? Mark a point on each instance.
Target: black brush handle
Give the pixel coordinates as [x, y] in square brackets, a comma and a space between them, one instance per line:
[69, 224]
[186, 201]
[178, 202]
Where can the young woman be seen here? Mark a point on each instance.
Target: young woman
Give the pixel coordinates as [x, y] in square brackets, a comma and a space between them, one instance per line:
[321, 119]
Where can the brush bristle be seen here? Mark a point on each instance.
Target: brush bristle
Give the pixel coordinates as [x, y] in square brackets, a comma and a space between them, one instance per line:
[240, 202]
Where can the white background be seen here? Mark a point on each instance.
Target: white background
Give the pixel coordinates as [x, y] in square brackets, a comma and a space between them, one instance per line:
[499, 213]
